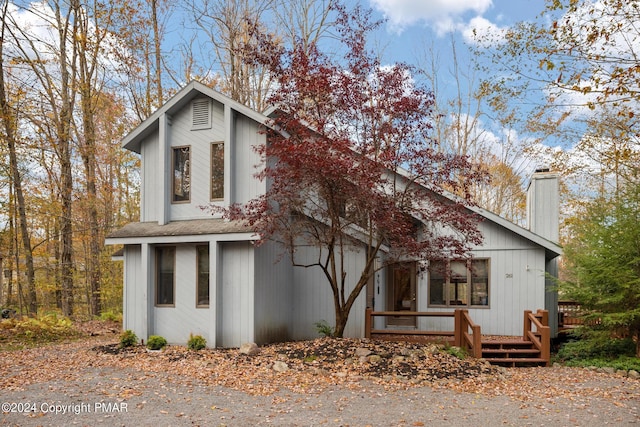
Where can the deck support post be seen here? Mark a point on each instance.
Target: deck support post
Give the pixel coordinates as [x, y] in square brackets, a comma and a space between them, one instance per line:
[457, 328]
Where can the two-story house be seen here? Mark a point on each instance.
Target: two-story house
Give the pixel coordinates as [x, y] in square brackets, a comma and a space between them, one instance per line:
[187, 271]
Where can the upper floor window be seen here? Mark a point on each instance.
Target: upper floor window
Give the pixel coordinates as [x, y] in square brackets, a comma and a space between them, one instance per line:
[165, 275]
[217, 171]
[181, 174]
[459, 283]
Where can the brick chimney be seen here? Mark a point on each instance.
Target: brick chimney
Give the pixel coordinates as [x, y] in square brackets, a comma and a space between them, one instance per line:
[543, 204]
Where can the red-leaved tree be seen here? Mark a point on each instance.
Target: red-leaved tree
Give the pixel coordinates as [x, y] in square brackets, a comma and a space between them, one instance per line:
[350, 164]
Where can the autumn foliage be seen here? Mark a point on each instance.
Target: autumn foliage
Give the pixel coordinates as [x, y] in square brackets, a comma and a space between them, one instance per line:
[350, 163]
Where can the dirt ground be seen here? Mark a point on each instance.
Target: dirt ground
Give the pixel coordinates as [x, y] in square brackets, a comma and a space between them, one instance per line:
[90, 382]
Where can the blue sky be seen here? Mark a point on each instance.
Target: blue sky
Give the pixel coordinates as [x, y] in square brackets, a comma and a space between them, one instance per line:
[411, 23]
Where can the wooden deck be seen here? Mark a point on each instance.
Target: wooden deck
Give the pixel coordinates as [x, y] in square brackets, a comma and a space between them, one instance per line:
[533, 348]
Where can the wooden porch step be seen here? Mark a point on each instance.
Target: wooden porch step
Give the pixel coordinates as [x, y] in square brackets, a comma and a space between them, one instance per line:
[410, 332]
[516, 361]
[509, 351]
[505, 343]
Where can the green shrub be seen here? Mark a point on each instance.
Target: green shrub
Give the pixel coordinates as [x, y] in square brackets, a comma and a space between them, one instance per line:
[324, 328]
[458, 352]
[156, 342]
[596, 348]
[112, 316]
[128, 339]
[42, 329]
[196, 342]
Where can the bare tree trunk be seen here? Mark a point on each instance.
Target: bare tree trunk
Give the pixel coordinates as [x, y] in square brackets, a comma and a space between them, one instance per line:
[158, 53]
[64, 153]
[87, 61]
[9, 123]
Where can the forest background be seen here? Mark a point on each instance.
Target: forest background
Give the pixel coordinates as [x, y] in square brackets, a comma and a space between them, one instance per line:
[559, 90]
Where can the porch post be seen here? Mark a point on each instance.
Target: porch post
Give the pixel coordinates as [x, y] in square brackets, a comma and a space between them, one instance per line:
[367, 323]
[527, 325]
[457, 328]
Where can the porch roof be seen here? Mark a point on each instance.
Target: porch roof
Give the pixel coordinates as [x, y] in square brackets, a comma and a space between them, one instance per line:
[194, 227]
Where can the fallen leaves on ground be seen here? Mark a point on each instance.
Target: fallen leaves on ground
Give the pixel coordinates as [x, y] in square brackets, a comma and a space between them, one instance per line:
[311, 367]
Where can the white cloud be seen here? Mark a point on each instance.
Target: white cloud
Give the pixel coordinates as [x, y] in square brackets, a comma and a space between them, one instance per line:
[443, 15]
[480, 30]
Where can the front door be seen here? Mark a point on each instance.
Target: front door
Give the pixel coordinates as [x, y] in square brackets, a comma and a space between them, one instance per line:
[401, 293]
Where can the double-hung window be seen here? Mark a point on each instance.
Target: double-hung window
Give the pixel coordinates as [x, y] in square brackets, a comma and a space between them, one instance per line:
[459, 283]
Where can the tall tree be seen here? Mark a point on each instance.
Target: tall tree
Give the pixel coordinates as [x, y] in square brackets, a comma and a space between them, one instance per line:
[353, 165]
[226, 26]
[52, 67]
[92, 23]
[304, 22]
[572, 77]
[139, 26]
[465, 124]
[9, 128]
[604, 266]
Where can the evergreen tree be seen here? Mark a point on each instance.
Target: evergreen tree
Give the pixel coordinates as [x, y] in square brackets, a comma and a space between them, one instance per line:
[603, 260]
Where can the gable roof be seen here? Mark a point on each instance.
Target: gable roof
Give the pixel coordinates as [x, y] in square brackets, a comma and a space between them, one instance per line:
[182, 98]
[552, 249]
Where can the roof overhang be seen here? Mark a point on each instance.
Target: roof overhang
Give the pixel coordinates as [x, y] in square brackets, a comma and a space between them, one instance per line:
[197, 230]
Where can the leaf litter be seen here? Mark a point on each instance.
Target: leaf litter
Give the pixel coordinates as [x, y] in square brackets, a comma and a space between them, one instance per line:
[311, 367]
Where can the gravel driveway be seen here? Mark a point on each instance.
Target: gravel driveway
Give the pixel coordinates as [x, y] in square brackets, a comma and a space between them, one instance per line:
[73, 385]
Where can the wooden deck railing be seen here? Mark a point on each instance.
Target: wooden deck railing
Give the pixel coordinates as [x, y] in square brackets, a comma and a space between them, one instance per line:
[370, 314]
[536, 330]
[569, 314]
[472, 342]
[465, 333]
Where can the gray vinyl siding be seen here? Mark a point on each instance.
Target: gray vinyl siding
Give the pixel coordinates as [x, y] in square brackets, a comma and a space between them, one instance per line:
[235, 298]
[313, 298]
[516, 283]
[199, 141]
[244, 160]
[151, 173]
[177, 322]
[551, 295]
[273, 294]
[135, 297]
[239, 141]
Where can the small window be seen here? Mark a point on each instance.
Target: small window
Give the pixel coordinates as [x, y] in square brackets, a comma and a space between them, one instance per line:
[459, 283]
[201, 114]
[181, 174]
[165, 275]
[203, 275]
[217, 171]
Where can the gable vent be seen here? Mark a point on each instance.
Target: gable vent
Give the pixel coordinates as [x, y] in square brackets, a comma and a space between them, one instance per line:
[201, 114]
